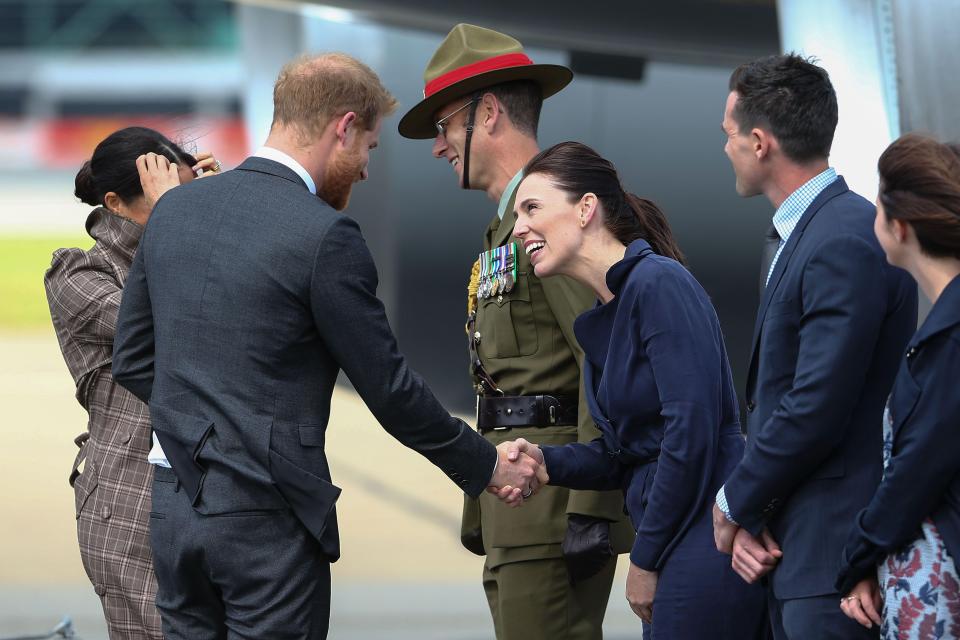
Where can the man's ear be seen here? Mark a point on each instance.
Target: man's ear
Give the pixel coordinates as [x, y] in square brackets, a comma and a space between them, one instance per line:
[346, 128]
[763, 143]
[489, 112]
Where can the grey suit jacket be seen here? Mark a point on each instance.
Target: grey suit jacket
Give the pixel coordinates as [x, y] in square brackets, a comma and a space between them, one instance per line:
[246, 298]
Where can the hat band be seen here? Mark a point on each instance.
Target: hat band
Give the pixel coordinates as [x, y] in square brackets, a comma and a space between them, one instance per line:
[474, 69]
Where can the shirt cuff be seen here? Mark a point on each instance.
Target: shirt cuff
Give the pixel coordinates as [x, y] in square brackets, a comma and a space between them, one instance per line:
[723, 506]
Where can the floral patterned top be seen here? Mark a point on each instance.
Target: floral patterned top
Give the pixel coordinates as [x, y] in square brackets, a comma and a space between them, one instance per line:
[920, 582]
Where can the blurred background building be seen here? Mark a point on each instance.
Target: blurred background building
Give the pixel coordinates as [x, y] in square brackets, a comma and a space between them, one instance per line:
[651, 81]
[72, 71]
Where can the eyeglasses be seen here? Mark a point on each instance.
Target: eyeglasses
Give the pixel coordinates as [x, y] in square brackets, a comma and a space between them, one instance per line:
[441, 124]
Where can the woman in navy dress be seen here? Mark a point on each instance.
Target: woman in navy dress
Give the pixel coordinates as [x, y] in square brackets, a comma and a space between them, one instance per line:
[658, 385]
[899, 568]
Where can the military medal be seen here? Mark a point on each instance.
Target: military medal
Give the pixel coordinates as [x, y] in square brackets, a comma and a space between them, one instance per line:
[510, 277]
[484, 283]
[497, 271]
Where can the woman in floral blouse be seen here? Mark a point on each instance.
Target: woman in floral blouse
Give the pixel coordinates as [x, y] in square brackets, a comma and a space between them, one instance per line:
[898, 568]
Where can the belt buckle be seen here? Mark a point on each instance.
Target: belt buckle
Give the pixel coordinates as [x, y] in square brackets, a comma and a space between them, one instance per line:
[477, 413]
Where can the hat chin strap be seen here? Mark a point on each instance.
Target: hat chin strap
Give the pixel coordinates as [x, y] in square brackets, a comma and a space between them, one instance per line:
[471, 115]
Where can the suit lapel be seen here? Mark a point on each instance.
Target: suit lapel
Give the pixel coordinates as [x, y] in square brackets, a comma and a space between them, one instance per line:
[836, 188]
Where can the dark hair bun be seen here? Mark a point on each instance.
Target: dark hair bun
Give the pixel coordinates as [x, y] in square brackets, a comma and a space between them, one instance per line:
[83, 186]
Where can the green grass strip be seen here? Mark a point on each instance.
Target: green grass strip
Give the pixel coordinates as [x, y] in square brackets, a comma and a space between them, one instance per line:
[23, 261]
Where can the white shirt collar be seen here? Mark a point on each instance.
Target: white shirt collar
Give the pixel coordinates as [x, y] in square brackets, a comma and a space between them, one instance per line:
[790, 211]
[279, 156]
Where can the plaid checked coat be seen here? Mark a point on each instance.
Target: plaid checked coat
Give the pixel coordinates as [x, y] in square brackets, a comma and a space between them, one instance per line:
[113, 487]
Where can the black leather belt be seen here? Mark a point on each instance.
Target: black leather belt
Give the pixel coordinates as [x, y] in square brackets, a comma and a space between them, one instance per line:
[503, 412]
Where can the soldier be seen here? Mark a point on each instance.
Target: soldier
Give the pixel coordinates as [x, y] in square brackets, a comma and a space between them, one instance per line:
[550, 565]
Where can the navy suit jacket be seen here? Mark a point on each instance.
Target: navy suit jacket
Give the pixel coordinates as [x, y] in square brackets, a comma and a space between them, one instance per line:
[833, 322]
[922, 479]
[658, 384]
[246, 298]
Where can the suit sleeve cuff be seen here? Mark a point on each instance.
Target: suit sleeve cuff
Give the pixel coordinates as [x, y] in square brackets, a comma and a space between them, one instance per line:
[645, 555]
[554, 460]
[860, 557]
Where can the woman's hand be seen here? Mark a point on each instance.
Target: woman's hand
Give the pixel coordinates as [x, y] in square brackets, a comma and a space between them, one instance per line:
[641, 587]
[864, 602]
[206, 165]
[157, 176]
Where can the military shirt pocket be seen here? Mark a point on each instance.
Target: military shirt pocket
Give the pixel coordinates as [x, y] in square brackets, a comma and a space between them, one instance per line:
[506, 323]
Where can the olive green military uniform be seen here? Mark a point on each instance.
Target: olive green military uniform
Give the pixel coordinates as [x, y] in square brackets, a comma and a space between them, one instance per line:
[524, 339]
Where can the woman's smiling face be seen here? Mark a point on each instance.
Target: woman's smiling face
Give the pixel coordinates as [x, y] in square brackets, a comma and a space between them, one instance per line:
[547, 225]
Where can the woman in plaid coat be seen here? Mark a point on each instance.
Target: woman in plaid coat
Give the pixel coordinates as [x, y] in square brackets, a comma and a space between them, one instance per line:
[111, 476]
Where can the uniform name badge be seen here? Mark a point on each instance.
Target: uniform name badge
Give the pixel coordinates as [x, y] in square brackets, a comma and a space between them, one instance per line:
[498, 271]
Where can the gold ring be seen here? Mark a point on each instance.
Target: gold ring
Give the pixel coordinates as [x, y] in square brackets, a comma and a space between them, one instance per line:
[216, 167]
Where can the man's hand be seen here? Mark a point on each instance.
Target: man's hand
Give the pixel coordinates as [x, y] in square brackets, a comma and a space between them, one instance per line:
[723, 531]
[864, 602]
[753, 558]
[641, 588]
[157, 176]
[518, 475]
[519, 446]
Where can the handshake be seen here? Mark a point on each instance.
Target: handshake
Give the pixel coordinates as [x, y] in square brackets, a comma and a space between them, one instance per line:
[520, 472]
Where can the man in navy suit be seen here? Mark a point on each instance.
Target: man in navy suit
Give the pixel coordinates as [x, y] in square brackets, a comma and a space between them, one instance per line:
[833, 321]
[247, 297]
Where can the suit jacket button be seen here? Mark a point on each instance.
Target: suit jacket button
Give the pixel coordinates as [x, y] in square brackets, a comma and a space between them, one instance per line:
[751, 406]
[105, 513]
[912, 352]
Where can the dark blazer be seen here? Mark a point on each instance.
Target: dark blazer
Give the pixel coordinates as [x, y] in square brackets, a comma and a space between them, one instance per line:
[832, 325]
[247, 297]
[921, 480]
[658, 385]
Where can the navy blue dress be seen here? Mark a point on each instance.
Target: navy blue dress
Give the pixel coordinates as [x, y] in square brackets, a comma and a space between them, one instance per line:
[659, 387]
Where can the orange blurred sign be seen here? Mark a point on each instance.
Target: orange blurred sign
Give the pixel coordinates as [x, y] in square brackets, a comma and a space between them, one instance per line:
[64, 143]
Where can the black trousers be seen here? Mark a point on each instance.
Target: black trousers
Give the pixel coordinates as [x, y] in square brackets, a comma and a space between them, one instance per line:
[242, 576]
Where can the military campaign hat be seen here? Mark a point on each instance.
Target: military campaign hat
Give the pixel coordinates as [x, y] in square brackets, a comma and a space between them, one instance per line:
[471, 58]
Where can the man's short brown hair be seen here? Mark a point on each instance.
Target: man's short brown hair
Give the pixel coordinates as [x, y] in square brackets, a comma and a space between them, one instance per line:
[312, 90]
